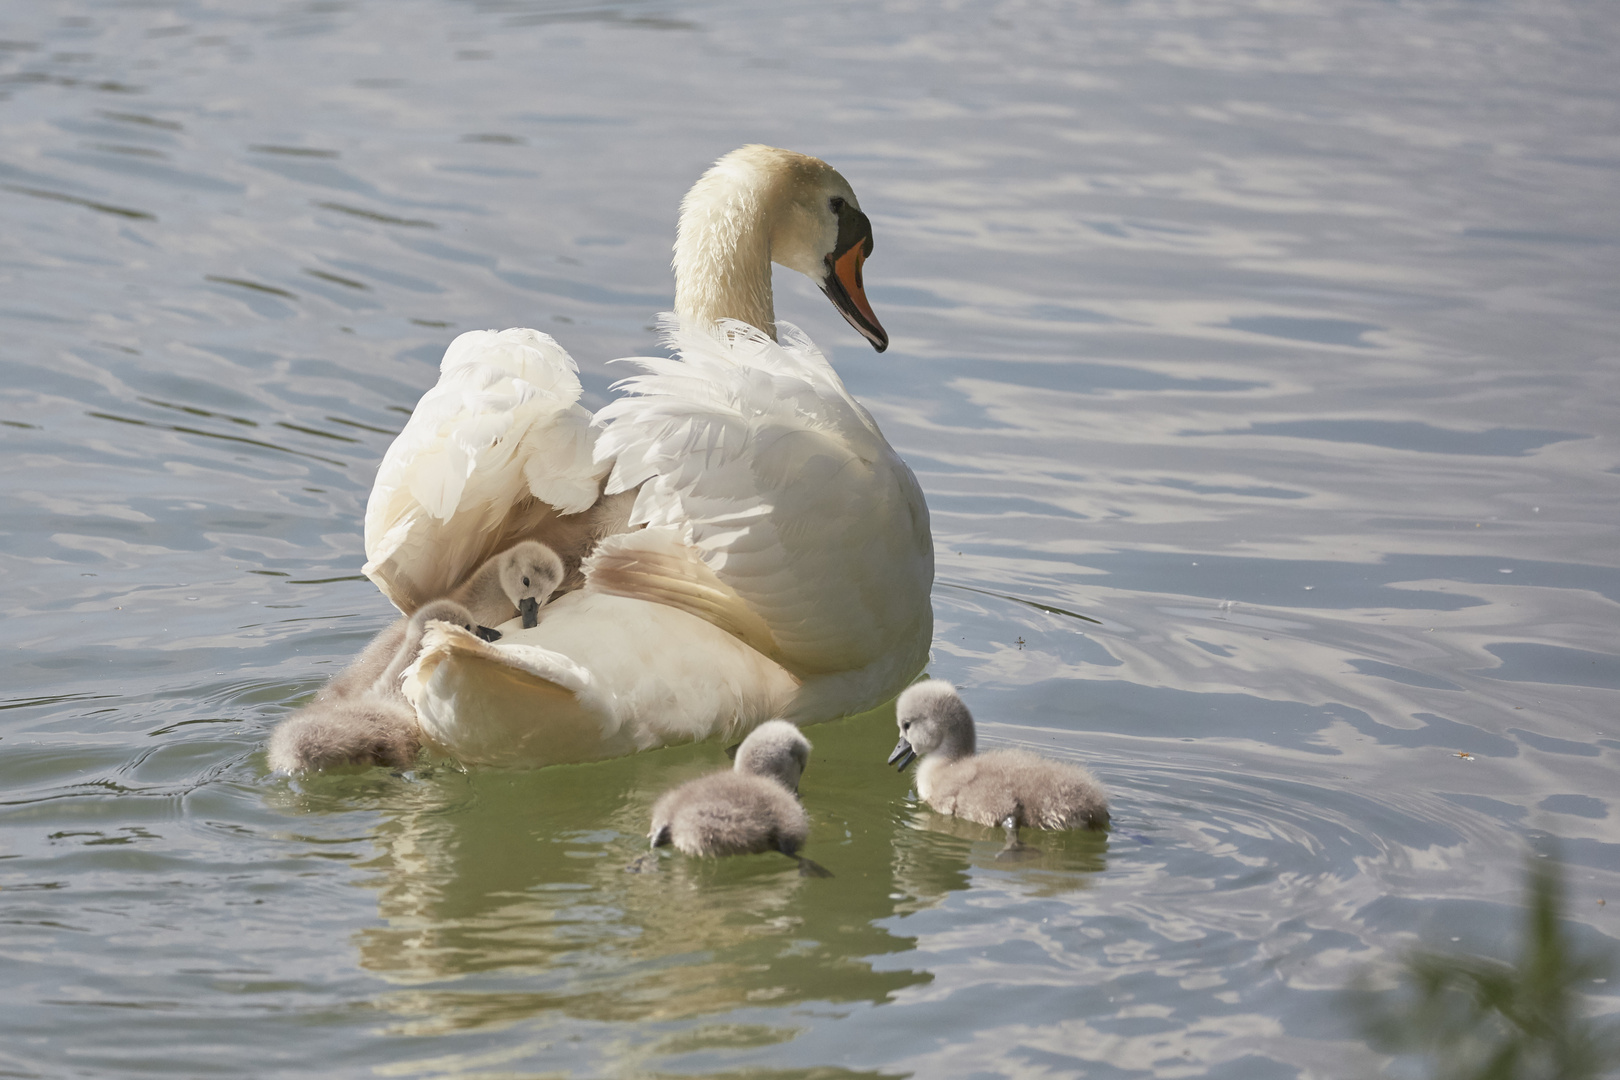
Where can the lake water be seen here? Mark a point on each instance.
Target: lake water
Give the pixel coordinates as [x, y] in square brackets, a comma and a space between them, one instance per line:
[1259, 362]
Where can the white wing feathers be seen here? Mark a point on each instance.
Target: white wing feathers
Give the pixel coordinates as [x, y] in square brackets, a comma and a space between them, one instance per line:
[753, 454]
[502, 423]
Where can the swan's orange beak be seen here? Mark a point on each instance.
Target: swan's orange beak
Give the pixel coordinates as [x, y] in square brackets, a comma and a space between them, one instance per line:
[845, 289]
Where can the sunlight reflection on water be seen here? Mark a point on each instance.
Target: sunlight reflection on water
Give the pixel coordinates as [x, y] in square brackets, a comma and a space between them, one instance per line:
[1257, 366]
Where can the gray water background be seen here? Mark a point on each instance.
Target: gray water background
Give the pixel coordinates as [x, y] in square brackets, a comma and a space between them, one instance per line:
[1279, 339]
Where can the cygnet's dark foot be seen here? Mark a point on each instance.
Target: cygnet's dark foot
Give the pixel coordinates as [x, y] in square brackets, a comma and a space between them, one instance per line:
[1015, 848]
[811, 868]
[649, 861]
[1016, 851]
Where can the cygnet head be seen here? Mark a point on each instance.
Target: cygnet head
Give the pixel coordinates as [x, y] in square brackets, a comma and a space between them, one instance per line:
[759, 205]
[932, 719]
[530, 572]
[777, 750]
[442, 611]
[387, 684]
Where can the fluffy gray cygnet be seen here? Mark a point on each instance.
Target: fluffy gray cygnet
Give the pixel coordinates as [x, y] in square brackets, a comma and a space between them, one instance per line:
[387, 684]
[513, 583]
[363, 670]
[1009, 788]
[356, 723]
[749, 809]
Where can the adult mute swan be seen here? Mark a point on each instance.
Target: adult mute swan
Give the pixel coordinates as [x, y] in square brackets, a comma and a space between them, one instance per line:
[739, 540]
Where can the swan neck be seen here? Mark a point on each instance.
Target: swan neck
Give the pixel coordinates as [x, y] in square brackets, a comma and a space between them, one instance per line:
[723, 250]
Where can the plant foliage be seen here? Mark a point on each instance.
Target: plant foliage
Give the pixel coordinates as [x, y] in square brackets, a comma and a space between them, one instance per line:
[1478, 1018]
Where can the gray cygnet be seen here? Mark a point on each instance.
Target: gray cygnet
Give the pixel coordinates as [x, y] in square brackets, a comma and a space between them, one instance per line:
[748, 809]
[1009, 788]
[357, 723]
[513, 583]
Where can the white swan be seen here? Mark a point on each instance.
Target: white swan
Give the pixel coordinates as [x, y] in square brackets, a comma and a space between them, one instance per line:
[740, 540]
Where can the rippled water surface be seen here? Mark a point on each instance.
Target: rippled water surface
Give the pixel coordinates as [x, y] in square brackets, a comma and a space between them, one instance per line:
[1259, 362]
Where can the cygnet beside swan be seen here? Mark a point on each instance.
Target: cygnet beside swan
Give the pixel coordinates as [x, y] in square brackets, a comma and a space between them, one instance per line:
[512, 585]
[1009, 788]
[365, 730]
[748, 809]
[370, 725]
[362, 672]
[442, 612]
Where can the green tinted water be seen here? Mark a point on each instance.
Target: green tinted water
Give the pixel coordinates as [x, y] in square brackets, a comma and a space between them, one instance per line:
[1258, 366]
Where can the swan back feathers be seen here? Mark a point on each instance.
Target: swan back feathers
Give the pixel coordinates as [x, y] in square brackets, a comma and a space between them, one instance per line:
[753, 453]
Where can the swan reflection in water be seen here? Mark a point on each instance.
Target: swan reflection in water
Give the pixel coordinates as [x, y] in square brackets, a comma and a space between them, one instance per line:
[498, 874]
[504, 895]
[936, 854]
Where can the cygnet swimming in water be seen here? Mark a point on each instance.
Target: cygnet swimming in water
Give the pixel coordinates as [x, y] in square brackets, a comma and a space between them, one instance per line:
[511, 584]
[364, 730]
[355, 724]
[748, 809]
[1009, 788]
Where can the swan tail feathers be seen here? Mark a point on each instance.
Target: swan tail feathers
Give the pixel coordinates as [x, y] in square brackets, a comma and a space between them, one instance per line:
[653, 564]
[483, 703]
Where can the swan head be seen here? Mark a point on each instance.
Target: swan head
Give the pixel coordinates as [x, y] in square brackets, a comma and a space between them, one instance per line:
[932, 718]
[759, 205]
[530, 572]
[819, 231]
[776, 750]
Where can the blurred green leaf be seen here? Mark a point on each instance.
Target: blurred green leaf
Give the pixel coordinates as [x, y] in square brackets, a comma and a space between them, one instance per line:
[1477, 1018]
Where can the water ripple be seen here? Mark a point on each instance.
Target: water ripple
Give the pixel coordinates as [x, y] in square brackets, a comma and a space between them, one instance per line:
[1251, 360]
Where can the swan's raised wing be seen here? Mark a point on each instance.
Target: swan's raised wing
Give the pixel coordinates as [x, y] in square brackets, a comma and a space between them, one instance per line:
[496, 449]
[754, 457]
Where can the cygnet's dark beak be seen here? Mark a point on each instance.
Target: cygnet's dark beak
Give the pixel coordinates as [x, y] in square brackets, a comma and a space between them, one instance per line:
[903, 754]
[843, 284]
[529, 609]
[486, 633]
[661, 837]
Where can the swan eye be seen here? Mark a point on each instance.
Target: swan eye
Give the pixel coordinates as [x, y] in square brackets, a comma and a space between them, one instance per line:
[525, 583]
[836, 202]
[906, 726]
